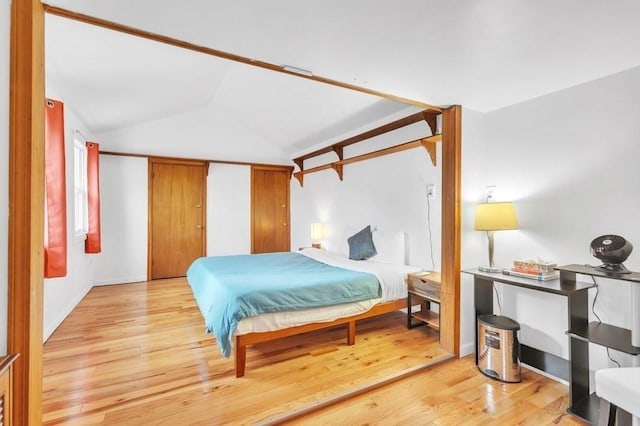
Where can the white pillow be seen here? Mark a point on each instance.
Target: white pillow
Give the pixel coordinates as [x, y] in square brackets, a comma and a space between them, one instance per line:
[390, 247]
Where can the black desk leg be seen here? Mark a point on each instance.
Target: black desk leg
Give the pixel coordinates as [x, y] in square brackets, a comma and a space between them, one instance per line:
[578, 309]
[483, 301]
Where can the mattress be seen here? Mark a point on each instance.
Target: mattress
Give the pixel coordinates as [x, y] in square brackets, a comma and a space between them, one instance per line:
[392, 278]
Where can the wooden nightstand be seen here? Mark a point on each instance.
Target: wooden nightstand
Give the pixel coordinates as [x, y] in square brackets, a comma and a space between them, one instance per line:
[318, 246]
[426, 288]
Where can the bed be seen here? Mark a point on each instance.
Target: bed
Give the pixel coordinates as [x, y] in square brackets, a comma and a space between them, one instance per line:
[226, 289]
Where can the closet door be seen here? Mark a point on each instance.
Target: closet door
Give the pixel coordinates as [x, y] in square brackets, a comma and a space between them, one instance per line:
[177, 202]
[270, 209]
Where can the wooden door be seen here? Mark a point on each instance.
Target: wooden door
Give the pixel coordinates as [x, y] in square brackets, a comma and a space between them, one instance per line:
[270, 209]
[177, 212]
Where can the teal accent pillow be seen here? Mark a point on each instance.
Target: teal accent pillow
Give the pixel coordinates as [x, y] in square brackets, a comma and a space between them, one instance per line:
[361, 245]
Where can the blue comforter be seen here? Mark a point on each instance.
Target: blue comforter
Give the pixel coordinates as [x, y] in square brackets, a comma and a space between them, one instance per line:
[230, 288]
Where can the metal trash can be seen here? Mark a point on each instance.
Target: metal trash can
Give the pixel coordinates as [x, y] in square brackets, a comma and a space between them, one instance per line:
[499, 348]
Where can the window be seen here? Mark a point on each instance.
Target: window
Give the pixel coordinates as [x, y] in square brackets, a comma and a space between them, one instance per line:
[80, 205]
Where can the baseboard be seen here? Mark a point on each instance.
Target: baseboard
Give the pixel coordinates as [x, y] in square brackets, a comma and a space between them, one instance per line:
[467, 349]
[126, 280]
[544, 373]
[48, 331]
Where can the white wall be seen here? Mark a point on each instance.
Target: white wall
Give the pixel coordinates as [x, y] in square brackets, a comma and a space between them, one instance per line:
[5, 25]
[61, 295]
[228, 210]
[473, 244]
[568, 160]
[209, 127]
[123, 206]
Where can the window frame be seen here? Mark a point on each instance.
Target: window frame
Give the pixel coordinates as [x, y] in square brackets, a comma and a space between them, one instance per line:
[80, 190]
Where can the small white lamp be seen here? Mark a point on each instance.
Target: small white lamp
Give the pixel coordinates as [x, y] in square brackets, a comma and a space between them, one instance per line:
[316, 235]
[493, 217]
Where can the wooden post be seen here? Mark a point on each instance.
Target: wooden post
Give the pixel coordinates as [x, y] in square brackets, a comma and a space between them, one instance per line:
[26, 209]
[451, 223]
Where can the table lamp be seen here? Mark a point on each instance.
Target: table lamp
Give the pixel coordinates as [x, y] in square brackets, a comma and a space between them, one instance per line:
[316, 235]
[493, 217]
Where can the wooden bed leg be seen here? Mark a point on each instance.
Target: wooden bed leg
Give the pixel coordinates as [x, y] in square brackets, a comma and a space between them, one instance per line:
[351, 333]
[240, 358]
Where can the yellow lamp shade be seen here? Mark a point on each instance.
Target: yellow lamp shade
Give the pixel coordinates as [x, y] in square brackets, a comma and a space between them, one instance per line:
[495, 217]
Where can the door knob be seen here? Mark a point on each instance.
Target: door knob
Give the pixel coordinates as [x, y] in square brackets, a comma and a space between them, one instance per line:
[199, 226]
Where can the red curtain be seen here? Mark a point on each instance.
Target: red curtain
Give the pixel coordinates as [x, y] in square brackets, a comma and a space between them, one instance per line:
[55, 238]
[92, 243]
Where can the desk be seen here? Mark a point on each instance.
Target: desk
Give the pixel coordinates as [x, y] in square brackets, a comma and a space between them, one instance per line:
[577, 308]
[582, 402]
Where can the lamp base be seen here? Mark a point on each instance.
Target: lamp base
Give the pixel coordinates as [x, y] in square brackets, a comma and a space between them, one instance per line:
[490, 269]
[316, 245]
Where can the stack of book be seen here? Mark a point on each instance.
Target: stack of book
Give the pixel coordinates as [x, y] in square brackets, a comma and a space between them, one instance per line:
[533, 268]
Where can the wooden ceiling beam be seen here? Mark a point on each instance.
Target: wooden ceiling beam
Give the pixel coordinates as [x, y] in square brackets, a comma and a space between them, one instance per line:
[92, 20]
[206, 160]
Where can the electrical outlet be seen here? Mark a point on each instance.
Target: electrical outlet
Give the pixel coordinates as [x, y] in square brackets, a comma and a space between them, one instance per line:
[490, 192]
[431, 191]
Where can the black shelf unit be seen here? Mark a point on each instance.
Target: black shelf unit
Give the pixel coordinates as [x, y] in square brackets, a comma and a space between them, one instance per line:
[582, 402]
[574, 291]
[606, 335]
[586, 408]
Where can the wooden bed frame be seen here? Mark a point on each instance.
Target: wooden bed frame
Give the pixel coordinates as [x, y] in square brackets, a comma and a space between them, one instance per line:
[242, 341]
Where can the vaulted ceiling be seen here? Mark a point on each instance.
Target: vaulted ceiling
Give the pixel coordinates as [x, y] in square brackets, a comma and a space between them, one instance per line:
[483, 55]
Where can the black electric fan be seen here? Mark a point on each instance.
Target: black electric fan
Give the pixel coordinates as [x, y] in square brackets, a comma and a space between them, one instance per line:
[612, 250]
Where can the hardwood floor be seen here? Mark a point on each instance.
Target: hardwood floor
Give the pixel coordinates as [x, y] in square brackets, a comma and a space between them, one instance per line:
[137, 354]
[454, 393]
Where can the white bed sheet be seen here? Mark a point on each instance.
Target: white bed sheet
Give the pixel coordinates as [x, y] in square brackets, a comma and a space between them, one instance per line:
[392, 280]
[392, 277]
